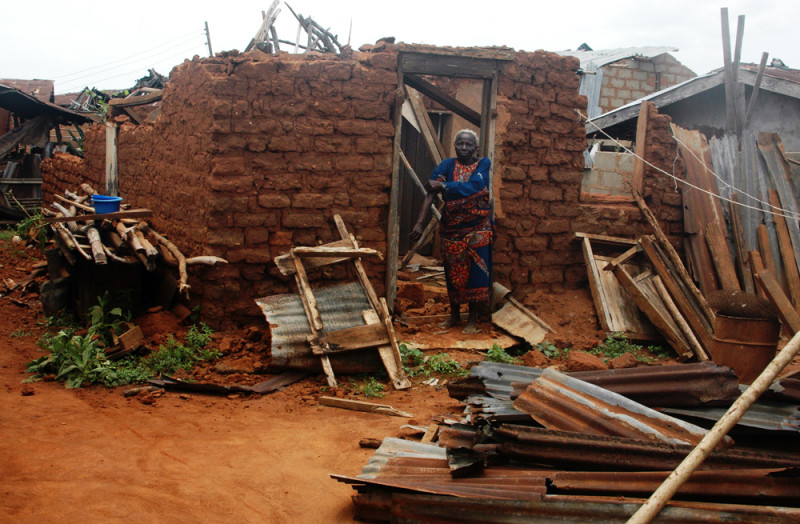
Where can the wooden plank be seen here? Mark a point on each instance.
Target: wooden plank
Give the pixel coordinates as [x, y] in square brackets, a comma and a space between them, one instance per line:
[136, 100]
[730, 107]
[758, 265]
[446, 65]
[131, 213]
[435, 147]
[286, 264]
[430, 434]
[676, 315]
[756, 88]
[359, 337]
[595, 286]
[515, 321]
[361, 274]
[23, 181]
[439, 95]
[677, 263]
[723, 264]
[765, 248]
[653, 309]
[335, 252]
[390, 355]
[641, 140]
[393, 227]
[699, 323]
[312, 313]
[360, 405]
[742, 262]
[605, 239]
[787, 254]
[112, 165]
[789, 317]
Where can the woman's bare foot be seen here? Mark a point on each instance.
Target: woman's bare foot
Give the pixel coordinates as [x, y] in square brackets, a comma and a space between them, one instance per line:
[452, 320]
[470, 329]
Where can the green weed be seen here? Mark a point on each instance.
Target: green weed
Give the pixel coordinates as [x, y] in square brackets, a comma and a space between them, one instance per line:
[616, 345]
[372, 388]
[20, 333]
[498, 354]
[551, 351]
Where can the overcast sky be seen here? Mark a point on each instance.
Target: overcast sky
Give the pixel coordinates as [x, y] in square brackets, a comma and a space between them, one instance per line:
[110, 45]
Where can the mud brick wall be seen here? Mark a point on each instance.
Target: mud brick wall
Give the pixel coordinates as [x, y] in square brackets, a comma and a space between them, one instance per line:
[632, 79]
[538, 171]
[62, 171]
[661, 193]
[255, 153]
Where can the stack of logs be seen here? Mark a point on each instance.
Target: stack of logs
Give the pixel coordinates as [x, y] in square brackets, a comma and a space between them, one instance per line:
[120, 236]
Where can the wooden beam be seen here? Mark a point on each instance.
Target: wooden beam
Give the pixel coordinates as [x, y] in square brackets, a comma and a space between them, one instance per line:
[790, 318]
[358, 337]
[730, 107]
[446, 65]
[131, 213]
[641, 141]
[439, 95]
[286, 264]
[136, 100]
[393, 227]
[756, 88]
[765, 248]
[677, 263]
[680, 321]
[723, 263]
[787, 253]
[742, 261]
[335, 252]
[435, 147]
[360, 405]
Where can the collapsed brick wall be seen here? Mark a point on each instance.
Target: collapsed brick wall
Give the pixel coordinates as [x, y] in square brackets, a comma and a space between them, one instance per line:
[62, 171]
[662, 193]
[255, 153]
[635, 78]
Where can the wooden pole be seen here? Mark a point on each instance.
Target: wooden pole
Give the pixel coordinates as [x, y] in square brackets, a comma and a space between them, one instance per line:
[208, 41]
[393, 244]
[756, 88]
[650, 509]
[730, 107]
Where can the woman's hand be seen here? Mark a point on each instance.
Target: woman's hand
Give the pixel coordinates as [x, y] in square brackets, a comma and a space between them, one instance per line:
[434, 186]
[416, 233]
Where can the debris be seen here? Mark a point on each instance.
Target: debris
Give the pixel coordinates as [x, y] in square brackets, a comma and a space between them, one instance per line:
[360, 405]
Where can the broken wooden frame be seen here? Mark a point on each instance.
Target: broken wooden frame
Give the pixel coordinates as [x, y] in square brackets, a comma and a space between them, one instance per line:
[377, 332]
[482, 65]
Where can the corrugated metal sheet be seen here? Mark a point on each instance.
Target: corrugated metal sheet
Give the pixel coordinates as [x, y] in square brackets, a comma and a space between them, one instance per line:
[27, 106]
[493, 410]
[603, 57]
[703, 383]
[339, 306]
[558, 401]
[424, 468]
[565, 449]
[787, 388]
[698, 384]
[759, 486]
[773, 417]
[401, 508]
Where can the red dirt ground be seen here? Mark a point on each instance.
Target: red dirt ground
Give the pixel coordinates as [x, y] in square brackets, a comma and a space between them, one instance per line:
[92, 454]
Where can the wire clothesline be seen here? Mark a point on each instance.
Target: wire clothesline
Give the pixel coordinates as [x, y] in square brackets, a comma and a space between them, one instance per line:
[781, 212]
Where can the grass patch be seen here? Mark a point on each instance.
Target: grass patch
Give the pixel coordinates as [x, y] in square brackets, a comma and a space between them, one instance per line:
[498, 354]
[79, 360]
[617, 344]
[416, 363]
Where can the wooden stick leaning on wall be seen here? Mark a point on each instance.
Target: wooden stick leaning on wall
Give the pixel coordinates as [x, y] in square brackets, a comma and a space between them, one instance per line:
[673, 257]
[787, 253]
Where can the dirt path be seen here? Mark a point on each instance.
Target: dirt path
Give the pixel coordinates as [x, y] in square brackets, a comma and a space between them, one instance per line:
[92, 455]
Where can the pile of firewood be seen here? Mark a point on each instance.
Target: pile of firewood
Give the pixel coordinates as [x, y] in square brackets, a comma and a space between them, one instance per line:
[119, 236]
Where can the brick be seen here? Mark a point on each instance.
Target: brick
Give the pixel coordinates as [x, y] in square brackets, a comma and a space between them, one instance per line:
[530, 244]
[233, 184]
[249, 255]
[225, 237]
[545, 192]
[360, 200]
[224, 202]
[356, 127]
[353, 163]
[547, 276]
[373, 145]
[289, 144]
[274, 200]
[258, 219]
[227, 165]
[564, 210]
[553, 226]
[303, 220]
[256, 235]
[312, 200]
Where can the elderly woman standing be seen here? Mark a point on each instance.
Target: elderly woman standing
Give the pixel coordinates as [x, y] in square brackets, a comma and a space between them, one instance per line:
[467, 230]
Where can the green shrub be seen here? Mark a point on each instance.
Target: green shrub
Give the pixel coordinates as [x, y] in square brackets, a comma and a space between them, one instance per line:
[498, 354]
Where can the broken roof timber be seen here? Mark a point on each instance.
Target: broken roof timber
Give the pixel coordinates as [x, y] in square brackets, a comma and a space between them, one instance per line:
[28, 106]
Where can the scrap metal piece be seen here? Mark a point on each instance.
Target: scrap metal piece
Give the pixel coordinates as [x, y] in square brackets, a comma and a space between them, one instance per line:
[340, 307]
[561, 402]
[772, 417]
[566, 449]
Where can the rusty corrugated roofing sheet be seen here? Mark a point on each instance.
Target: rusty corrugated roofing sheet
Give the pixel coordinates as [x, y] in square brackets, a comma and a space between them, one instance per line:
[566, 449]
[558, 401]
[27, 106]
[493, 410]
[424, 468]
[756, 486]
[395, 506]
[773, 417]
[340, 307]
[704, 383]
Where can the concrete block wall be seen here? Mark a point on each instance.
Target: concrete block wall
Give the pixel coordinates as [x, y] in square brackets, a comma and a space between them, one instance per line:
[632, 79]
[610, 176]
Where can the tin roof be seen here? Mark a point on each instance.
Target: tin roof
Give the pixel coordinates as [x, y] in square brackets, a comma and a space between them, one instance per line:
[28, 106]
[603, 57]
[558, 401]
[42, 90]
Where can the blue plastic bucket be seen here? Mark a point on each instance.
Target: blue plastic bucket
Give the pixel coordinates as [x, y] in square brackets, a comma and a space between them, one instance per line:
[106, 204]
